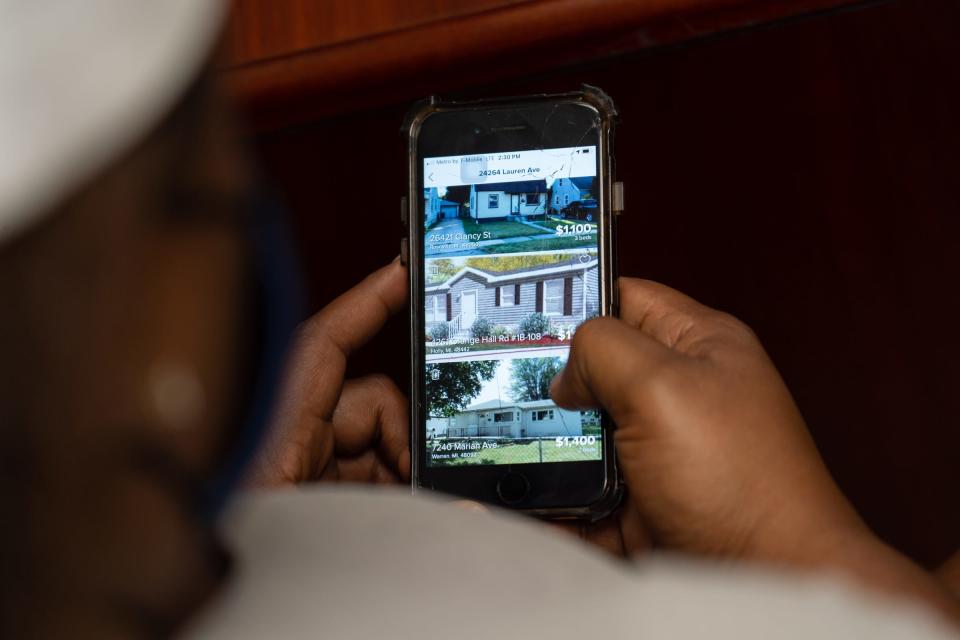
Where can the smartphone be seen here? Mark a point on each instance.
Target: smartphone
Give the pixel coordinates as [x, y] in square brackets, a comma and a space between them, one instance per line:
[510, 247]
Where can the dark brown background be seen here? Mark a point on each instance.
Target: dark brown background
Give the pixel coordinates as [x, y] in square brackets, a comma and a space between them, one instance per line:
[801, 176]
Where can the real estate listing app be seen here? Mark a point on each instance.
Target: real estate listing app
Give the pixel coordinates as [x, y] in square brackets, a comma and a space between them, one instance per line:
[511, 270]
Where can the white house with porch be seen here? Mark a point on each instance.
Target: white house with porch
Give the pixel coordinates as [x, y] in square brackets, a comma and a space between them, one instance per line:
[502, 419]
[503, 199]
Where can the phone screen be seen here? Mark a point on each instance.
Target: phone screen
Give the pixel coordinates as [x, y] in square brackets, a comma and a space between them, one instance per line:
[511, 269]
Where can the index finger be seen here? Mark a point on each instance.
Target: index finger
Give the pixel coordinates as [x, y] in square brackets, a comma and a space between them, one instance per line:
[355, 317]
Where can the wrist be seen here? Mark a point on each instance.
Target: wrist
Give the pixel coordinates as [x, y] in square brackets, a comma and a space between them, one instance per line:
[809, 530]
[854, 553]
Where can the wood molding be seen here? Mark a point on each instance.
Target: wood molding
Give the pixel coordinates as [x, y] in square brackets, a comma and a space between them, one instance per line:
[456, 52]
[262, 29]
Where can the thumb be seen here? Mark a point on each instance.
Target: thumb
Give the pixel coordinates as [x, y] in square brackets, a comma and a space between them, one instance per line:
[610, 363]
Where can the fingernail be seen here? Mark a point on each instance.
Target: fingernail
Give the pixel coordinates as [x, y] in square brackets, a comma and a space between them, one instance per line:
[470, 505]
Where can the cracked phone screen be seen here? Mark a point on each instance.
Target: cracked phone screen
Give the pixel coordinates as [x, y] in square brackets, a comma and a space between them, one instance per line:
[511, 269]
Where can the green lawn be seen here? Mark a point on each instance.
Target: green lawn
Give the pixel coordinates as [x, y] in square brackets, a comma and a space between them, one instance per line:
[499, 228]
[528, 453]
[542, 244]
[570, 453]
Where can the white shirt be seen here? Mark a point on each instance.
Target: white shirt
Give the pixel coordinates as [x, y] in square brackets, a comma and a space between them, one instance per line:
[351, 562]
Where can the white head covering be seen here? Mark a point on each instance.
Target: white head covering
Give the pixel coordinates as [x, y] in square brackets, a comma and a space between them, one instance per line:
[81, 82]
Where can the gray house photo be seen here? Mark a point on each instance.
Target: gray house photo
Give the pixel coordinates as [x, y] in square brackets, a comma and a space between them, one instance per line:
[436, 208]
[505, 419]
[566, 292]
[567, 191]
[503, 199]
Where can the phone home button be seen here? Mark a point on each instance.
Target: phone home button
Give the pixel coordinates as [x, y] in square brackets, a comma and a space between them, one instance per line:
[513, 487]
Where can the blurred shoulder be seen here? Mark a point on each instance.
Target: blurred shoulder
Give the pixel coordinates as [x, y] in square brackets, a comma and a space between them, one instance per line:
[355, 562]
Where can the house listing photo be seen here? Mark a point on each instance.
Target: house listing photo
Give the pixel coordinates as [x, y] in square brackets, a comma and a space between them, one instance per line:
[503, 210]
[499, 411]
[509, 303]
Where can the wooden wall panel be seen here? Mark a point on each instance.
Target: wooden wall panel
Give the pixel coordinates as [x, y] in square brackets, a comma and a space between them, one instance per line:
[263, 29]
[801, 177]
[367, 66]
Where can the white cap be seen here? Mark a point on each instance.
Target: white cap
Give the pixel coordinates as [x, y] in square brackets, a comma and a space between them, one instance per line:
[82, 81]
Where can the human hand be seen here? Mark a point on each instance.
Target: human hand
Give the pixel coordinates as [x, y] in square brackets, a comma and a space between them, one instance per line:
[712, 447]
[715, 454]
[949, 573]
[325, 428]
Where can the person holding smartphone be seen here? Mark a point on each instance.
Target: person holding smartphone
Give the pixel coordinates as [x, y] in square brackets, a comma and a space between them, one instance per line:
[716, 457]
[130, 400]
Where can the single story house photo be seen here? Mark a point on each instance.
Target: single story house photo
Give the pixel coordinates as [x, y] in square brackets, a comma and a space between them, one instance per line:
[566, 292]
[566, 191]
[504, 419]
[436, 208]
[502, 199]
